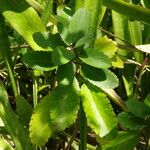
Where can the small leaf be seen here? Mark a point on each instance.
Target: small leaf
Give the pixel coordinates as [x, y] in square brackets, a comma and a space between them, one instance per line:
[61, 55]
[79, 24]
[117, 62]
[106, 45]
[130, 121]
[138, 108]
[41, 127]
[23, 110]
[124, 141]
[98, 110]
[95, 58]
[4, 145]
[65, 74]
[47, 40]
[64, 33]
[83, 41]
[65, 105]
[39, 60]
[99, 77]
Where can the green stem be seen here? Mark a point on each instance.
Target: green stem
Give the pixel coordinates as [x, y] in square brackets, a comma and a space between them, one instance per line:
[35, 91]
[47, 12]
[132, 11]
[83, 129]
[6, 53]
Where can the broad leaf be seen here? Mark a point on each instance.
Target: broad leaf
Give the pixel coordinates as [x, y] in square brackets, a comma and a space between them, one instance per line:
[26, 21]
[41, 127]
[117, 62]
[79, 24]
[64, 105]
[61, 55]
[23, 110]
[98, 110]
[138, 108]
[47, 40]
[16, 130]
[4, 145]
[39, 60]
[124, 141]
[95, 58]
[130, 121]
[106, 45]
[99, 77]
[65, 74]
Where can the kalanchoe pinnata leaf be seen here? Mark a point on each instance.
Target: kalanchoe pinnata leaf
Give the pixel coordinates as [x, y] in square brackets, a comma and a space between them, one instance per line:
[65, 73]
[126, 140]
[41, 127]
[23, 110]
[66, 36]
[98, 110]
[79, 24]
[106, 45]
[138, 108]
[102, 78]
[24, 19]
[39, 60]
[131, 121]
[61, 55]
[65, 105]
[95, 58]
[47, 40]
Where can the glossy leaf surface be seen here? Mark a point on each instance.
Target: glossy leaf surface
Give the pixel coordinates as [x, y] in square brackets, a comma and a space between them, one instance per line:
[95, 58]
[64, 105]
[99, 77]
[41, 127]
[98, 110]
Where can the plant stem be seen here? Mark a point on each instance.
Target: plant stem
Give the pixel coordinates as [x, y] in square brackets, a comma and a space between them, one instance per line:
[83, 129]
[132, 11]
[35, 91]
[6, 53]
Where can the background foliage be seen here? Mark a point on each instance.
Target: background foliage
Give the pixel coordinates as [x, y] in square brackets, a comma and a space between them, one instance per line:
[74, 74]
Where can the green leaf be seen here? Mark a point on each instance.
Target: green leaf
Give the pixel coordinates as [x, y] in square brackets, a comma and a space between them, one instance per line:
[124, 141]
[130, 121]
[61, 55]
[4, 145]
[65, 105]
[138, 108]
[147, 100]
[98, 110]
[47, 40]
[41, 127]
[64, 33]
[95, 58]
[117, 62]
[102, 78]
[83, 41]
[79, 24]
[26, 23]
[39, 60]
[65, 74]
[16, 130]
[23, 110]
[106, 45]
